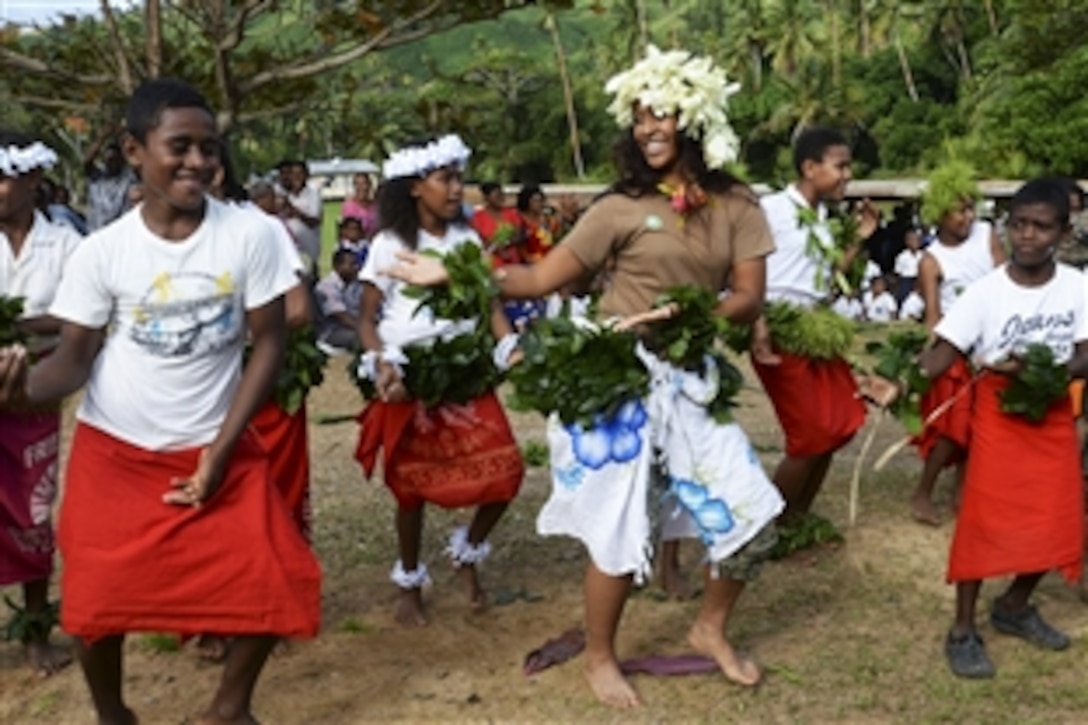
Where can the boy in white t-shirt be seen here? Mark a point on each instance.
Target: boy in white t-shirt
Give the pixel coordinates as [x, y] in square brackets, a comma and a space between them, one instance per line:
[1022, 507]
[155, 311]
[880, 305]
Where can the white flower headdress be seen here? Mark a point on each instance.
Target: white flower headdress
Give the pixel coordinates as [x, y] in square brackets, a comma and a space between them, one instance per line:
[15, 160]
[693, 88]
[421, 160]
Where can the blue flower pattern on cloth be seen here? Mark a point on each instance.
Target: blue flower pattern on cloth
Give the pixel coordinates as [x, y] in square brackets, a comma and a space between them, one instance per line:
[617, 440]
[711, 515]
[571, 477]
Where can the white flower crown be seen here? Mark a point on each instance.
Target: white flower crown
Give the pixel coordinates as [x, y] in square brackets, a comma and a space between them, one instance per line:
[15, 161]
[692, 88]
[421, 160]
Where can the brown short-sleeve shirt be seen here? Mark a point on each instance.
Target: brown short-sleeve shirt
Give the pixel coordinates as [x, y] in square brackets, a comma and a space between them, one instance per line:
[649, 248]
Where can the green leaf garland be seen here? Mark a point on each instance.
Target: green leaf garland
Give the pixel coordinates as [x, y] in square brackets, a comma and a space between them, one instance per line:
[303, 368]
[897, 359]
[470, 290]
[11, 311]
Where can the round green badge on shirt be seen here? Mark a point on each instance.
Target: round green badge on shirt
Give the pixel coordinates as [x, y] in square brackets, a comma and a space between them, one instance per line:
[654, 222]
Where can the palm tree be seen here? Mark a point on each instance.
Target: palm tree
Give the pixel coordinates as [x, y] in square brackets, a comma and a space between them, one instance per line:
[568, 95]
[793, 34]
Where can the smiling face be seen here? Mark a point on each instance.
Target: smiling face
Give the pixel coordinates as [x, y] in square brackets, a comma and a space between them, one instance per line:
[1034, 232]
[830, 175]
[439, 195]
[656, 135]
[178, 159]
[956, 223]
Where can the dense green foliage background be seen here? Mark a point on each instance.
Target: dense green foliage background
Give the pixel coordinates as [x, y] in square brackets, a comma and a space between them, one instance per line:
[999, 82]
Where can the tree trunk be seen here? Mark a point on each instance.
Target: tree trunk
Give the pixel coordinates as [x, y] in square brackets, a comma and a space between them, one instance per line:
[153, 49]
[643, 28]
[904, 66]
[568, 96]
[992, 17]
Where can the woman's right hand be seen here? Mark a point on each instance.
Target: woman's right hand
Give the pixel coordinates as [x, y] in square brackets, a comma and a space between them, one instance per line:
[389, 385]
[14, 364]
[418, 269]
[762, 350]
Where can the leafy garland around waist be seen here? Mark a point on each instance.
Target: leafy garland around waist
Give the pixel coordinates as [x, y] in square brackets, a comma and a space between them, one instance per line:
[691, 336]
[897, 359]
[11, 311]
[460, 368]
[817, 332]
[844, 232]
[1041, 383]
[577, 370]
[303, 368]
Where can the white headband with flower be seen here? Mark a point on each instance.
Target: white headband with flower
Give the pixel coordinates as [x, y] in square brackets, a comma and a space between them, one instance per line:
[421, 160]
[693, 88]
[15, 161]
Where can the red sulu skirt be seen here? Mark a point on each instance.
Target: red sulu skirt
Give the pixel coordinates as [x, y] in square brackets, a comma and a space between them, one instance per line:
[816, 402]
[284, 438]
[954, 423]
[235, 566]
[452, 455]
[1022, 505]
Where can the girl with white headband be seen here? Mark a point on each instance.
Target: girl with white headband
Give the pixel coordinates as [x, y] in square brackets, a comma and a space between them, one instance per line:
[32, 255]
[450, 454]
[673, 218]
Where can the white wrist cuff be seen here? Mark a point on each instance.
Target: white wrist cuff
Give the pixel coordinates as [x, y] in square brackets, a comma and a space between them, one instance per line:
[415, 579]
[462, 553]
[503, 350]
[368, 362]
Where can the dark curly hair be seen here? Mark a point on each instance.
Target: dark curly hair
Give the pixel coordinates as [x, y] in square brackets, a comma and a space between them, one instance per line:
[398, 210]
[636, 178]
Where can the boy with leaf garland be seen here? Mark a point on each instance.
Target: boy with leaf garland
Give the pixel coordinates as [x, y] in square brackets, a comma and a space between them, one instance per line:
[965, 249]
[168, 522]
[1021, 514]
[815, 398]
[33, 252]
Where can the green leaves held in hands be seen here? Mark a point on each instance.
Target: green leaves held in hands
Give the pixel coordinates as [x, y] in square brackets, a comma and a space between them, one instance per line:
[1040, 383]
[470, 290]
[844, 236]
[897, 359]
[576, 371]
[303, 368]
[816, 332]
[11, 311]
[25, 626]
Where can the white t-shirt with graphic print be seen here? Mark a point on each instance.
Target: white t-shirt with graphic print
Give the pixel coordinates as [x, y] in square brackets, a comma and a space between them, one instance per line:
[175, 314]
[995, 317]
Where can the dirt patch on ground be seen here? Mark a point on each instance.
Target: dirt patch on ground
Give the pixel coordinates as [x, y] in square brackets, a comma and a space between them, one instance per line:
[852, 634]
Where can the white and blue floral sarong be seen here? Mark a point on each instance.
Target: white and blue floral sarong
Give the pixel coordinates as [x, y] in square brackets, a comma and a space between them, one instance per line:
[602, 492]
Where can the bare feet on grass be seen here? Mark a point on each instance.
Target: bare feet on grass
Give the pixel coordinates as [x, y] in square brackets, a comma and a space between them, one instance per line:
[212, 648]
[46, 658]
[477, 597]
[609, 685]
[736, 668]
[409, 611]
[923, 511]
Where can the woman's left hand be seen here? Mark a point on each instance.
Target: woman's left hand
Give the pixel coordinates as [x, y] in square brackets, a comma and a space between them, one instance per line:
[657, 314]
[418, 269]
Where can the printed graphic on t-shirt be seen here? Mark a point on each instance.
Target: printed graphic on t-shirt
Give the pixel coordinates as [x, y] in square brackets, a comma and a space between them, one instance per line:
[191, 313]
[1055, 330]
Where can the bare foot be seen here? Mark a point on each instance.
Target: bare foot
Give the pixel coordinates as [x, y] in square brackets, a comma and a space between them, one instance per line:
[212, 648]
[735, 667]
[609, 684]
[409, 612]
[46, 658]
[923, 511]
[477, 597]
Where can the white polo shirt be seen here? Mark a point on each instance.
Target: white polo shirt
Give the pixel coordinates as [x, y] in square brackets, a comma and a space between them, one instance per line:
[791, 272]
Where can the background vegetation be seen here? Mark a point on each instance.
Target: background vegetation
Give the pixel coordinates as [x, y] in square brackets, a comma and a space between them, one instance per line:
[999, 82]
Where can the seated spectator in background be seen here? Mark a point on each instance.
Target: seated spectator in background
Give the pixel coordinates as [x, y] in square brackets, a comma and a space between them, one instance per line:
[872, 271]
[880, 305]
[107, 185]
[906, 264]
[339, 294]
[360, 205]
[913, 307]
[54, 200]
[352, 238]
[848, 306]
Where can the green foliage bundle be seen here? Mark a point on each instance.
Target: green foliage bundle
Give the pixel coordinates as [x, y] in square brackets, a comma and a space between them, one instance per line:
[691, 335]
[816, 332]
[1039, 384]
[897, 359]
[25, 626]
[844, 235]
[470, 290]
[451, 371]
[303, 368]
[805, 532]
[580, 373]
[11, 310]
[947, 186]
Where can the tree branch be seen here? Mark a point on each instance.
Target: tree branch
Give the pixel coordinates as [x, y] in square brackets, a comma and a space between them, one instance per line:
[124, 68]
[336, 60]
[13, 59]
[43, 102]
[234, 35]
